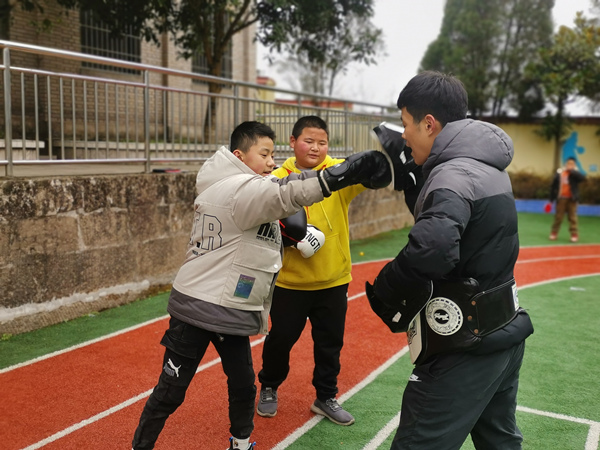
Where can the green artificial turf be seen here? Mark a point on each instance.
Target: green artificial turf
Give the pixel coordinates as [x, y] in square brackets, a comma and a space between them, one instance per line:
[23, 347]
[534, 230]
[559, 376]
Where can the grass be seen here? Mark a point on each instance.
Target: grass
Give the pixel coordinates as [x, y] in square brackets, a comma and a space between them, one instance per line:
[534, 230]
[557, 377]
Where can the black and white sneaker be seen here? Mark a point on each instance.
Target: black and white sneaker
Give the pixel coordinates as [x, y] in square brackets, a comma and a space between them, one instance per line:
[333, 411]
[240, 444]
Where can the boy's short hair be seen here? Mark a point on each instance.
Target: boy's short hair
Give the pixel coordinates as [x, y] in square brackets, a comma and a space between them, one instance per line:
[309, 122]
[441, 95]
[247, 133]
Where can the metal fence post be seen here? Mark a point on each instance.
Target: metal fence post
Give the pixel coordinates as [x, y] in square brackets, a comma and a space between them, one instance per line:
[7, 113]
[236, 104]
[147, 119]
[346, 130]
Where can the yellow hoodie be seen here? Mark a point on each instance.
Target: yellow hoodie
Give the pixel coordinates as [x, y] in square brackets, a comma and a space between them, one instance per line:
[331, 266]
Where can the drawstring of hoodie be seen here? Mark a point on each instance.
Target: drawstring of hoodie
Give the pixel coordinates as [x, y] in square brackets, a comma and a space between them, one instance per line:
[325, 214]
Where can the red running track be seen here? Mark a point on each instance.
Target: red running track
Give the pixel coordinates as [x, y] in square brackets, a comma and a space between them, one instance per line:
[55, 403]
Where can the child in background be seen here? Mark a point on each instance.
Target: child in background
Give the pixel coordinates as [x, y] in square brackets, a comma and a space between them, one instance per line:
[565, 191]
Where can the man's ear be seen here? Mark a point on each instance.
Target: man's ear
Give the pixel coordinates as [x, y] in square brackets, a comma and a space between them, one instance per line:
[292, 141]
[432, 126]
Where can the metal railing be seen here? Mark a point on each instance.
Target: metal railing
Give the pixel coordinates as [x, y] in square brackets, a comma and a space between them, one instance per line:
[57, 112]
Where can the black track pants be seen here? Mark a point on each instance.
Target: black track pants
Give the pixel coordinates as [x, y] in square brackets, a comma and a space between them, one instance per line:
[326, 310]
[457, 394]
[185, 347]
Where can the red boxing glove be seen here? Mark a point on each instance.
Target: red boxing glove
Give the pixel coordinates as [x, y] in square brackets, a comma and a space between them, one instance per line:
[548, 207]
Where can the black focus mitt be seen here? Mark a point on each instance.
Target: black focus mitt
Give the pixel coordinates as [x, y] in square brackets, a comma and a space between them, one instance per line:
[397, 313]
[405, 172]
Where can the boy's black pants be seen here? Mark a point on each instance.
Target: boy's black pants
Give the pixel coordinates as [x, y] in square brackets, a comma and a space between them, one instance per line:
[326, 310]
[453, 395]
[185, 347]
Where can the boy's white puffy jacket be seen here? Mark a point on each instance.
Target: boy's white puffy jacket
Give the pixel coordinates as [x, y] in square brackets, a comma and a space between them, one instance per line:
[234, 253]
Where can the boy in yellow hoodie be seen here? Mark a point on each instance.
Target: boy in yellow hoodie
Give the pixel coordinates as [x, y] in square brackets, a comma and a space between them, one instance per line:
[315, 287]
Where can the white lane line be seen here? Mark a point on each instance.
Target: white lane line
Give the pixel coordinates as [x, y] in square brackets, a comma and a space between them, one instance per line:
[100, 339]
[83, 344]
[557, 258]
[117, 408]
[557, 280]
[593, 435]
[315, 420]
[591, 443]
[383, 434]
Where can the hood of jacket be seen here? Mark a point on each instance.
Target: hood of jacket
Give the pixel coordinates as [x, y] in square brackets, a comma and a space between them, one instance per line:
[223, 164]
[472, 139]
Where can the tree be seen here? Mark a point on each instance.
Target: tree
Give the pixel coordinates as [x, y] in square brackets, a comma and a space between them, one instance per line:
[360, 41]
[487, 45]
[570, 67]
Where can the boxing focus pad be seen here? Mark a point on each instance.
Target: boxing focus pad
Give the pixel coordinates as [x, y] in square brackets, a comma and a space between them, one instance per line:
[312, 242]
[405, 172]
[369, 168]
[293, 228]
[398, 311]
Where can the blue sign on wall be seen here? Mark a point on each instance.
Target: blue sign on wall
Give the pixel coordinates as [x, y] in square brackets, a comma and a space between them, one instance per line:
[571, 150]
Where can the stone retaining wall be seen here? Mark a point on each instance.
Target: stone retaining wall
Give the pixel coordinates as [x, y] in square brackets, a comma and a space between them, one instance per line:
[73, 245]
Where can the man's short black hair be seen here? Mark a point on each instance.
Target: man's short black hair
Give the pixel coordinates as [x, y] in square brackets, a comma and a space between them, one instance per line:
[443, 96]
[246, 134]
[309, 122]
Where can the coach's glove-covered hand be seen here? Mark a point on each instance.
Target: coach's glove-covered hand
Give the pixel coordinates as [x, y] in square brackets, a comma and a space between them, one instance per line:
[384, 312]
[406, 174]
[312, 242]
[397, 306]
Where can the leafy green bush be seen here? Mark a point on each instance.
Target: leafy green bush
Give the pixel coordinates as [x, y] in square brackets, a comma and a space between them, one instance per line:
[531, 186]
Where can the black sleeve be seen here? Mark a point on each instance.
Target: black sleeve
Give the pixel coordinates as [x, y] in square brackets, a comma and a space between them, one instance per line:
[433, 248]
[576, 176]
[554, 188]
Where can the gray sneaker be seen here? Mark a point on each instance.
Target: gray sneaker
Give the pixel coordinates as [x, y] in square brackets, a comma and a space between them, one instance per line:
[333, 411]
[267, 404]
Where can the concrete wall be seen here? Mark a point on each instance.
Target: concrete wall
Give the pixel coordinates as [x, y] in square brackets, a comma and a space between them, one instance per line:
[534, 154]
[73, 245]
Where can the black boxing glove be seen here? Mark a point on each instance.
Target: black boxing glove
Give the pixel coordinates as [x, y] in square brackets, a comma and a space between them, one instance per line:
[369, 168]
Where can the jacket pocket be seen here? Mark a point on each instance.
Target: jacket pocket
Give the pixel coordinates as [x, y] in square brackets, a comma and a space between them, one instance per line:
[252, 276]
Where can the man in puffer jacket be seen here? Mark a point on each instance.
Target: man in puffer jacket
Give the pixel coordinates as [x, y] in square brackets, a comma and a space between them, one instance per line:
[452, 287]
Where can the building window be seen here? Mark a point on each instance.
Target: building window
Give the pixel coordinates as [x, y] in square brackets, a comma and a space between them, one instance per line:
[96, 39]
[199, 64]
[4, 18]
